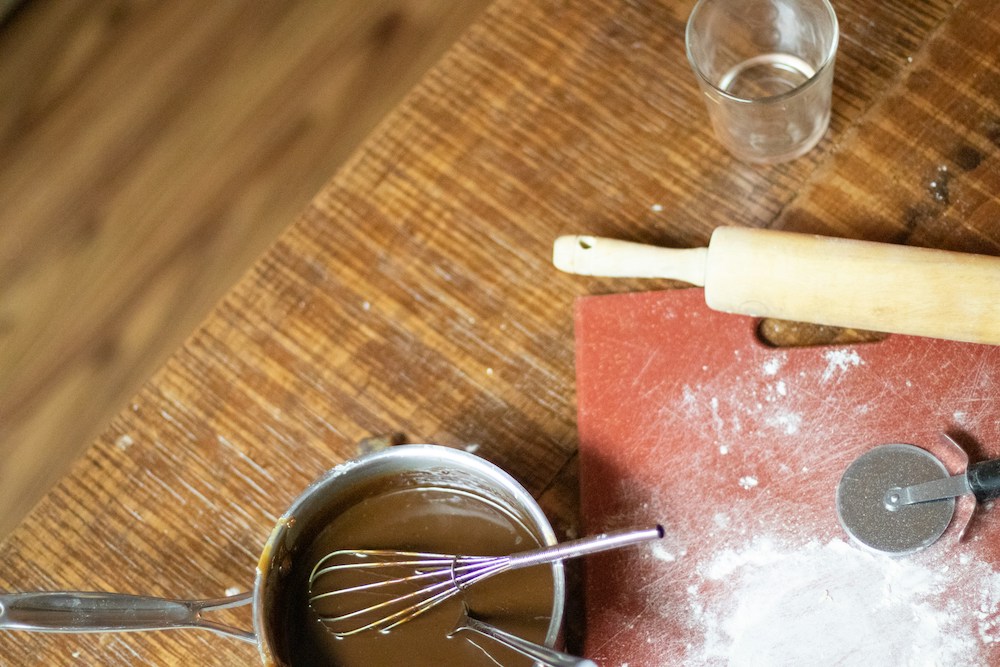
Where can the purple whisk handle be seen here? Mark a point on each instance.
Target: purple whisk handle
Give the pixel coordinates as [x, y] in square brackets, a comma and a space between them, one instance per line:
[583, 547]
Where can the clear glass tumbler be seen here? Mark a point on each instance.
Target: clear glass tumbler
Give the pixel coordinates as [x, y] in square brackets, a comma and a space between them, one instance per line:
[766, 70]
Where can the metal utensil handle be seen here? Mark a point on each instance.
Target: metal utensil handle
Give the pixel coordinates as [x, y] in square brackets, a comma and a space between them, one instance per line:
[543, 654]
[73, 611]
[584, 546]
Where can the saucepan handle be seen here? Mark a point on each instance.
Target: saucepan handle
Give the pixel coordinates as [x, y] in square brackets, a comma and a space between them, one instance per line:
[72, 611]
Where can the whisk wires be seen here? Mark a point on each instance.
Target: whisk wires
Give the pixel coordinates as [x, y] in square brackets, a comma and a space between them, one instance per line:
[434, 579]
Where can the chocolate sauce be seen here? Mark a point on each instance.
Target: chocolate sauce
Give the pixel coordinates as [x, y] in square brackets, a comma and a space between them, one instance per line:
[427, 519]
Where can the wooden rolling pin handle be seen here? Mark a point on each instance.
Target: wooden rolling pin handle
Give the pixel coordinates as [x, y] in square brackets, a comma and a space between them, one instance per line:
[595, 256]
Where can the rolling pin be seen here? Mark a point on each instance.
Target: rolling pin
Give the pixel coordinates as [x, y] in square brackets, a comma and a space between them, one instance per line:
[816, 279]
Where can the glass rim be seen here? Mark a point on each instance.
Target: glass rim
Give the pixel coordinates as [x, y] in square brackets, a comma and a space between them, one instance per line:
[828, 60]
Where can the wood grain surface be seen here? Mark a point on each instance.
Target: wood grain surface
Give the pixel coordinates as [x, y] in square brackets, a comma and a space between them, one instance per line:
[415, 293]
[150, 152]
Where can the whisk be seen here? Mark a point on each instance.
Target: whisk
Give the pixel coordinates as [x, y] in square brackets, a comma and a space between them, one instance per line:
[411, 583]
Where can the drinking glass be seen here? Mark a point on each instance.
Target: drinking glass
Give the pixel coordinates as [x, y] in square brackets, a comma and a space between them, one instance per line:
[765, 68]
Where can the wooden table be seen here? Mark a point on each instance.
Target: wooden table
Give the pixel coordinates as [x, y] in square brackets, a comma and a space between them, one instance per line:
[416, 295]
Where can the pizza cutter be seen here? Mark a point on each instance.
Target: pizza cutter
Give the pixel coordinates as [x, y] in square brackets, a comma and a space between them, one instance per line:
[897, 498]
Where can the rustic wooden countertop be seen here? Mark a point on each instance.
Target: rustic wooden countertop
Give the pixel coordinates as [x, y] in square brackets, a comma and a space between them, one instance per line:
[416, 295]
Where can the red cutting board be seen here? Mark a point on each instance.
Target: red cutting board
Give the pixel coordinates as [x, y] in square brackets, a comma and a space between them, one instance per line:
[687, 419]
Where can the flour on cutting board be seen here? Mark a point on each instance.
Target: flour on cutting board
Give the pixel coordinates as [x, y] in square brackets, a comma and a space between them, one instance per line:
[787, 602]
[765, 397]
[839, 362]
[769, 602]
[758, 582]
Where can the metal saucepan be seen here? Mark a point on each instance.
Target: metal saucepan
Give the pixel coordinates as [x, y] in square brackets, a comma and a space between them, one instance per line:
[338, 489]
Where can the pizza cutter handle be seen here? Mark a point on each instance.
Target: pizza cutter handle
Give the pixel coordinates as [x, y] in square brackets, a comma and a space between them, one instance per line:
[984, 479]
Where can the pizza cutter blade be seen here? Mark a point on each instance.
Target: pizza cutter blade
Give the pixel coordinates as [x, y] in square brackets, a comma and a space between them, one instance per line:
[897, 499]
[861, 500]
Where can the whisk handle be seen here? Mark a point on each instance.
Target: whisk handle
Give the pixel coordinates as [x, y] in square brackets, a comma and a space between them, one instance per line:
[584, 547]
[542, 654]
[72, 611]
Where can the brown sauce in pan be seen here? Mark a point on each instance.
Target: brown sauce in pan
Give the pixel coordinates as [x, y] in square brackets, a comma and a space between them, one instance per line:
[429, 520]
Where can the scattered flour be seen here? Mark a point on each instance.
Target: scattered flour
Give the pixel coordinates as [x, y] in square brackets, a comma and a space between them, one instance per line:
[786, 421]
[772, 366]
[688, 399]
[986, 612]
[748, 482]
[750, 402]
[717, 421]
[662, 552]
[833, 604]
[124, 442]
[839, 360]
